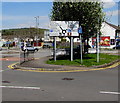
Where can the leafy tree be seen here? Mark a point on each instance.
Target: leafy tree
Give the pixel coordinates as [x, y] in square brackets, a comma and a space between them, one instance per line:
[89, 15]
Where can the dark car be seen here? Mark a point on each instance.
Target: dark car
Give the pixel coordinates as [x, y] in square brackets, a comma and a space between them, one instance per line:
[86, 48]
[116, 47]
[46, 46]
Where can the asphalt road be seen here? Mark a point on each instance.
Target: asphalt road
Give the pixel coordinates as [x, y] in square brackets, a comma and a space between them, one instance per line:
[82, 86]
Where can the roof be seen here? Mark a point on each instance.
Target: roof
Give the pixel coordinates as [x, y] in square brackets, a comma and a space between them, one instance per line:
[114, 26]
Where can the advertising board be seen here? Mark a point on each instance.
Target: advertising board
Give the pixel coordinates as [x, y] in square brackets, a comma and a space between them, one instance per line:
[104, 41]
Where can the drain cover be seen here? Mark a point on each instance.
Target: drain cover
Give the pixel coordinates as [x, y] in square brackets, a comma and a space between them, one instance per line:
[5, 81]
[68, 79]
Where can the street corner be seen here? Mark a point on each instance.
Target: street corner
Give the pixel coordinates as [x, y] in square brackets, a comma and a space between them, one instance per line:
[13, 66]
[16, 66]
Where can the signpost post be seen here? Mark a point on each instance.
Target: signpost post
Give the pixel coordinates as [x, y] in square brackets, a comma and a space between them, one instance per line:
[80, 32]
[71, 45]
[54, 46]
[54, 49]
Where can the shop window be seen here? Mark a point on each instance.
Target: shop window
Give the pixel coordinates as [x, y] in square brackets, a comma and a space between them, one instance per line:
[112, 41]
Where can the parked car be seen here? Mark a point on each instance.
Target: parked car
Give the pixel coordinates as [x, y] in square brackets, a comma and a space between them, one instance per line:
[30, 48]
[76, 50]
[47, 45]
[116, 47]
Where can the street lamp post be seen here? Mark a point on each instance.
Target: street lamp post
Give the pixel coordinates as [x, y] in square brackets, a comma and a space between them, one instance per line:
[37, 24]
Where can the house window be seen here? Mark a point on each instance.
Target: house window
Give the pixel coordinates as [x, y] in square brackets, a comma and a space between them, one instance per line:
[112, 41]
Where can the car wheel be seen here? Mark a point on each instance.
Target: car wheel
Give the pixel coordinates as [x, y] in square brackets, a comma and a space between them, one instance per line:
[36, 50]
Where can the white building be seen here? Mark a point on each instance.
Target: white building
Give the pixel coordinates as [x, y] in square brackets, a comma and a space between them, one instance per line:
[110, 36]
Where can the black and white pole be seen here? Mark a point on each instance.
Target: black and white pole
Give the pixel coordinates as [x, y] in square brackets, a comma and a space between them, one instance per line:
[54, 49]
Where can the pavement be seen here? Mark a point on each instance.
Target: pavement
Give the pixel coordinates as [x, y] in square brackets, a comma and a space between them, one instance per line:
[39, 65]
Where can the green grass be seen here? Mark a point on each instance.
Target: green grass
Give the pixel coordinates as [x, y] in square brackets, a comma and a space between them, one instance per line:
[88, 60]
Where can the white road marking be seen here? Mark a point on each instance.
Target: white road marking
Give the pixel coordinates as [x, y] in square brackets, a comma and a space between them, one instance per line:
[105, 92]
[1, 70]
[4, 70]
[20, 87]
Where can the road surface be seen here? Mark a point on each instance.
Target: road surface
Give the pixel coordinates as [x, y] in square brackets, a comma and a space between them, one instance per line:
[76, 86]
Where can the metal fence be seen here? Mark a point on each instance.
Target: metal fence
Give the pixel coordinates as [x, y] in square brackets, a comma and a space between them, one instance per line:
[26, 56]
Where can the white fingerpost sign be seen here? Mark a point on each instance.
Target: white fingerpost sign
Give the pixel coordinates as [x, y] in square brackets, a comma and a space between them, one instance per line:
[64, 28]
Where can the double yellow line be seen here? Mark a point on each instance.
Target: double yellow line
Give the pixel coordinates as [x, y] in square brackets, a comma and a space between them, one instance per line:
[44, 70]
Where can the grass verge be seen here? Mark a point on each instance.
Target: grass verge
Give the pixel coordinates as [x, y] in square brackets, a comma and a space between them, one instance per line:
[88, 60]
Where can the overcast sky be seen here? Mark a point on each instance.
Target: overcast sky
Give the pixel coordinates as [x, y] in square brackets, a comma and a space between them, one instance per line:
[21, 14]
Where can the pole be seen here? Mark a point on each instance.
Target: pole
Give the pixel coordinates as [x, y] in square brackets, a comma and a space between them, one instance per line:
[37, 24]
[19, 44]
[54, 49]
[71, 48]
[36, 21]
[80, 34]
[98, 42]
[37, 28]
[81, 49]
[98, 47]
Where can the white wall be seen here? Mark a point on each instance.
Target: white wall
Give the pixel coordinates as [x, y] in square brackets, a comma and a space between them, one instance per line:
[107, 30]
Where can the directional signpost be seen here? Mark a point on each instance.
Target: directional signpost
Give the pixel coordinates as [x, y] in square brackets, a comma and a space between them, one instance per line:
[80, 32]
[64, 29]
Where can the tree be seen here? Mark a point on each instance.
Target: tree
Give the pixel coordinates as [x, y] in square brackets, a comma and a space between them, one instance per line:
[89, 15]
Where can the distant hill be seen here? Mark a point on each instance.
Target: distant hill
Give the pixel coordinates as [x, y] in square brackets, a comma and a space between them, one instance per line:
[23, 33]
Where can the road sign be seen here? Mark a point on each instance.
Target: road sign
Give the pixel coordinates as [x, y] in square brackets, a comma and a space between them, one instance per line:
[80, 30]
[62, 28]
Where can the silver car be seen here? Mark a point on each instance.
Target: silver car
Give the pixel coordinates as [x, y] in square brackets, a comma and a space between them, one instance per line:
[30, 48]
